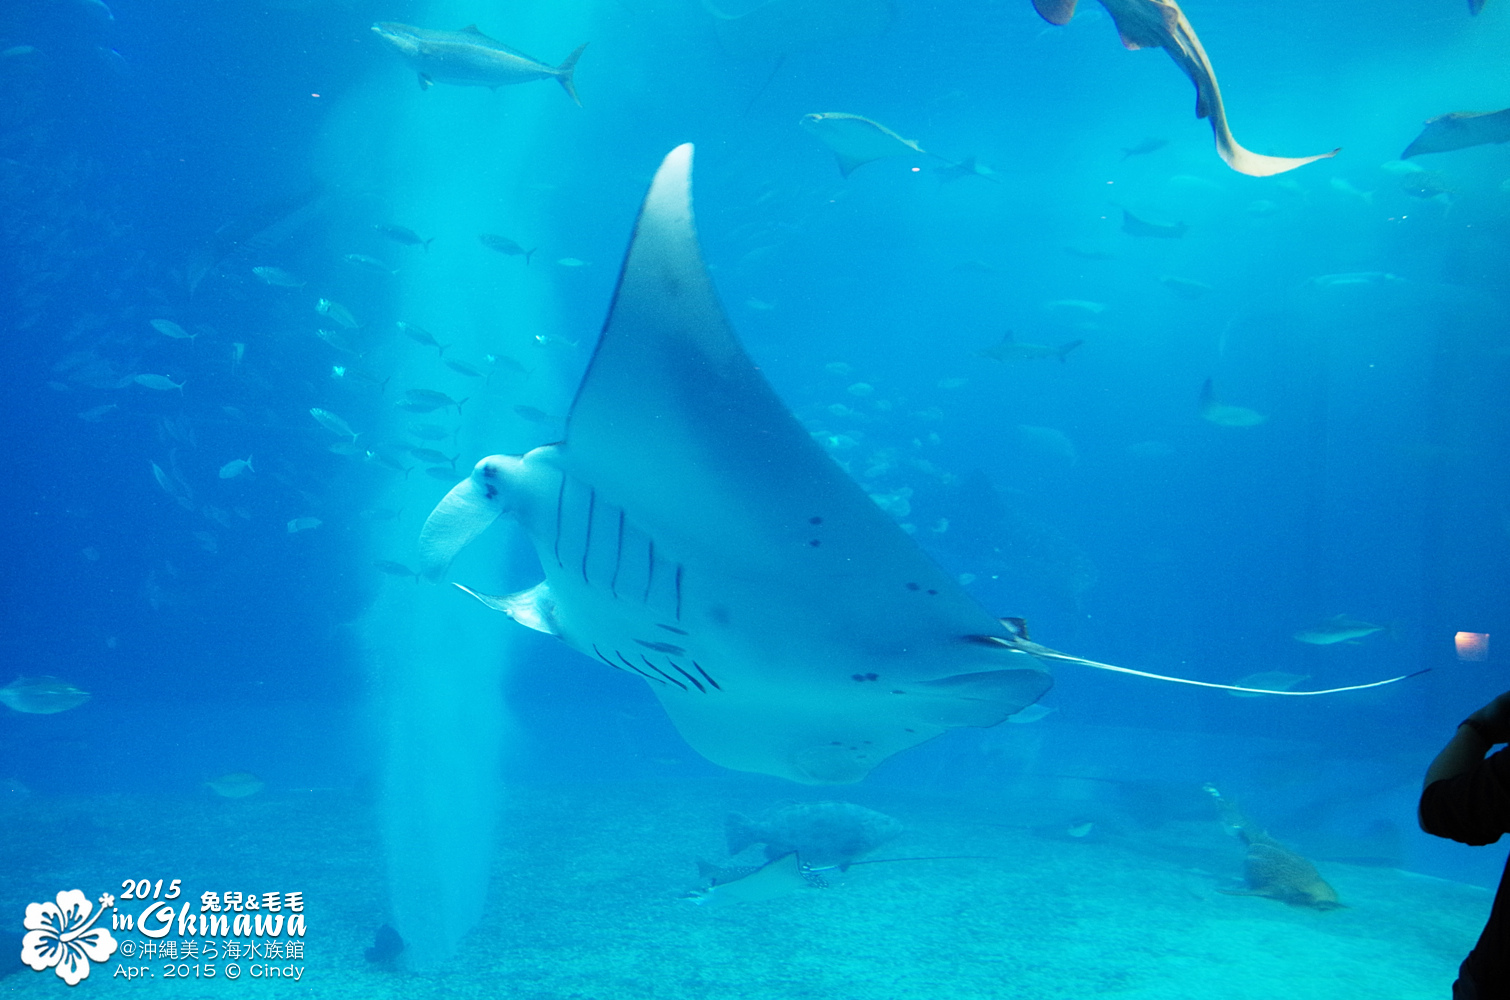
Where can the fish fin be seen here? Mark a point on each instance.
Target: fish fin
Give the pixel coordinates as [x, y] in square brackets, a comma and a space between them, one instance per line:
[849, 164]
[533, 608]
[566, 69]
[1055, 11]
[462, 514]
[740, 832]
[425, 83]
[1065, 349]
[1208, 396]
[977, 699]
[471, 29]
[426, 243]
[527, 255]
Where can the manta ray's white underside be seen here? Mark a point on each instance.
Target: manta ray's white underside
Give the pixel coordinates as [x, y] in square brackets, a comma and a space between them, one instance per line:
[694, 534]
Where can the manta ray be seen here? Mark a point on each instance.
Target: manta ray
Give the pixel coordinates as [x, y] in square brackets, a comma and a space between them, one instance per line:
[1459, 130]
[693, 534]
[1161, 24]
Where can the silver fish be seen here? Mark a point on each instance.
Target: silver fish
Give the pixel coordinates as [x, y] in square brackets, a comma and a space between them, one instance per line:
[504, 245]
[404, 235]
[276, 277]
[337, 312]
[168, 328]
[420, 335]
[232, 469]
[333, 423]
[470, 58]
[159, 382]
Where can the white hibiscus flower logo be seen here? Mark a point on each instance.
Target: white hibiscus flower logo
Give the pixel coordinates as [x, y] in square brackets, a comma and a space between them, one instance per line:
[62, 936]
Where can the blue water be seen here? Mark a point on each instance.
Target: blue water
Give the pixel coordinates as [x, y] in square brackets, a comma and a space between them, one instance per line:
[1087, 496]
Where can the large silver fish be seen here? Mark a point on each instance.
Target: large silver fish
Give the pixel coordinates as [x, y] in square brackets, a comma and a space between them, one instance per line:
[470, 58]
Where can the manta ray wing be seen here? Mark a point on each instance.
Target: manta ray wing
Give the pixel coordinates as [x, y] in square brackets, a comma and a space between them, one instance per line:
[694, 534]
[1459, 130]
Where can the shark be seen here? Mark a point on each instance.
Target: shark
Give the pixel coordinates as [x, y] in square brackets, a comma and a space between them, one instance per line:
[1459, 130]
[1161, 24]
[694, 535]
[470, 58]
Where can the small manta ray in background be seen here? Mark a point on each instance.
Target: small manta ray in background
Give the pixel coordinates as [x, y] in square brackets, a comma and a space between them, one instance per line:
[1459, 130]
[1222, 415]
[968, 167]
[856, 141]
[1012, 349]
[695, 535]
[470, 58]
[1161, 24]
[1273, 870]
[44, 695]
[1134, 226]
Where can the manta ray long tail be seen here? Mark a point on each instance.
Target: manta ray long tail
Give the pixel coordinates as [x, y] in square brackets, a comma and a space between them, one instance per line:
[1066, 658]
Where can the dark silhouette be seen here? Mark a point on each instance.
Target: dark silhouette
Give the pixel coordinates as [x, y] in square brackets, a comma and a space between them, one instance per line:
[1467, 798]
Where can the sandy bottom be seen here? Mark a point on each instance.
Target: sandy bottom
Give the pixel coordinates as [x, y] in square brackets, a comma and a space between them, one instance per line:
[585, 904]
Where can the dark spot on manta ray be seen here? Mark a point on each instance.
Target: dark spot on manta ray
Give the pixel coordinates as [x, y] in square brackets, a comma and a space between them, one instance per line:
[492, 491]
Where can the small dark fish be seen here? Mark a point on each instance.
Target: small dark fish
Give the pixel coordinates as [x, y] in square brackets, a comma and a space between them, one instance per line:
[1150, 145]
[434, 457]
[339, 342]
[503, 360]
[395, 568]
[421, 336]
[534, 415]
[429, 432]
[504, 245]
[1134, 226]
[428, 401]
[404, 235]
[462, 368]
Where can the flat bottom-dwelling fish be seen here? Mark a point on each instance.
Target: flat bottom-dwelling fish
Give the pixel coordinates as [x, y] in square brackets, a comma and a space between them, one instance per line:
[1273, 870]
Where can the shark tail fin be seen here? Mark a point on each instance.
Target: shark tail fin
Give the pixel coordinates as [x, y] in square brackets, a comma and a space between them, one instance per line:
[740, 832]
[564, 74]
[1065, 349]
[1208, 396]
